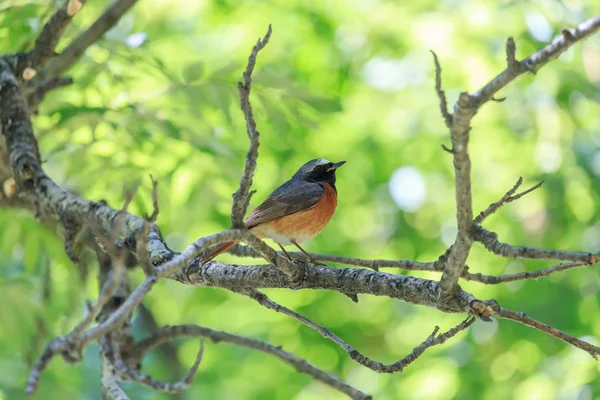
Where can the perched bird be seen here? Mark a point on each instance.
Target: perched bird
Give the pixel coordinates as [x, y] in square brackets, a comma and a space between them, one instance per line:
[297, 210]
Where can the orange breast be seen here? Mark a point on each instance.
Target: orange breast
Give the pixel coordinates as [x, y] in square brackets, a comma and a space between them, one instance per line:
[302, 225]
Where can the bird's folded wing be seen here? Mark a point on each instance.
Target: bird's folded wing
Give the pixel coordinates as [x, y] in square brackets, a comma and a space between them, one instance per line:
[289, 198]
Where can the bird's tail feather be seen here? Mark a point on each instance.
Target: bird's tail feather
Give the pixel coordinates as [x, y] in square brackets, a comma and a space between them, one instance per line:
[224, 247]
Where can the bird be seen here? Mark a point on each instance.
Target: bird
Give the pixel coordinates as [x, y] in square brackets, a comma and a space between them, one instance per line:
[296, 211]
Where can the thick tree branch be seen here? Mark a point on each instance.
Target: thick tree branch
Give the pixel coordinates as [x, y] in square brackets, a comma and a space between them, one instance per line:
[242, 196]
[302, 366]
[344, 280]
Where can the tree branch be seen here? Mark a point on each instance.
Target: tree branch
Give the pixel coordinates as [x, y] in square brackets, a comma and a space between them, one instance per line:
[436, 266]
[440, 92]
[135, 375]
[525, 320]
[507, 198]
[491, 242]
[464, 110]
[532, 63]
[242, 196]
[301, 365]
[376, 366]
[45, 44]
[109, 18]
[493, 280]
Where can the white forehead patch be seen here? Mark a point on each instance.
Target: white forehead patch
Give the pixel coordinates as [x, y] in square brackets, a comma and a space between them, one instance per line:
[322, 161]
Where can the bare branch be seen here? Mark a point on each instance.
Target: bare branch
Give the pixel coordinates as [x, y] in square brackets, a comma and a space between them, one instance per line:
[244, 251]
[507, 198]
[45, 44]
[241, 197]
[70, 346]
[432, 340]
[464, 207]
[36, 93]
[440, 92]
[109, 18]
[491, 242]
[511, 49]
[494, 280]
[398, 366]
[533, 63]
[139, 377]
[464, 110]
[152, 218]
[301, 365]
[525, 320]
[110, 382]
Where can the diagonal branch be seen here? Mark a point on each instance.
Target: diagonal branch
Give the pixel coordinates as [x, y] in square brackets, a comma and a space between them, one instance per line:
[521, 317]
[494, 280]
[301, 365]
[377, 366]
[45, 44]
[109, 18]
[507, 198]
[242, 196]
[533, 63]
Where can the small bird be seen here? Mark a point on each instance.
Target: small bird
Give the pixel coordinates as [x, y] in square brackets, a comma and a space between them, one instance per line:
[297, 210]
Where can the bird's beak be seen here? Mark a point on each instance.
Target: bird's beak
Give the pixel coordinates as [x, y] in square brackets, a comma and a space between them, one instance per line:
[337, 165]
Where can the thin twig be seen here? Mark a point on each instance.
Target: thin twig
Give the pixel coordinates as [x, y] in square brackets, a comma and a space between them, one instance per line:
[494, 280]
[440, 92]
[139, 377]
[109, 18]
[491, 242]
[241, 197]
[501, 312]
[507, 198]
[154, 215]
[377, 366]
[511, 49]
[301, 365]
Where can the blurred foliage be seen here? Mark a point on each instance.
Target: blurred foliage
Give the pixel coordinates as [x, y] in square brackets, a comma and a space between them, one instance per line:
[348, 80]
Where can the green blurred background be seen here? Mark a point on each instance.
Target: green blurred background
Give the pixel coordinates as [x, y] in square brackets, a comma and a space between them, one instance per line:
[344, 80]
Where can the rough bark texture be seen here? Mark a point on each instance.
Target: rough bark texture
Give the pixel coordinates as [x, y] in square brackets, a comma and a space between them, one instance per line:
[143, 243]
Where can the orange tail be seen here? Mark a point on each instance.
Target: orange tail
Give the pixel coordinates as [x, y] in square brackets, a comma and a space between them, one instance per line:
[224, 247]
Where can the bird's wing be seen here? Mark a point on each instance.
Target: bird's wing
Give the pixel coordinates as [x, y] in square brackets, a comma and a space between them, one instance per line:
[289, 198]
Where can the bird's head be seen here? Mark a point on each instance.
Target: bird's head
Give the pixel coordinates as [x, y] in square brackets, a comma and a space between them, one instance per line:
[318, 170]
